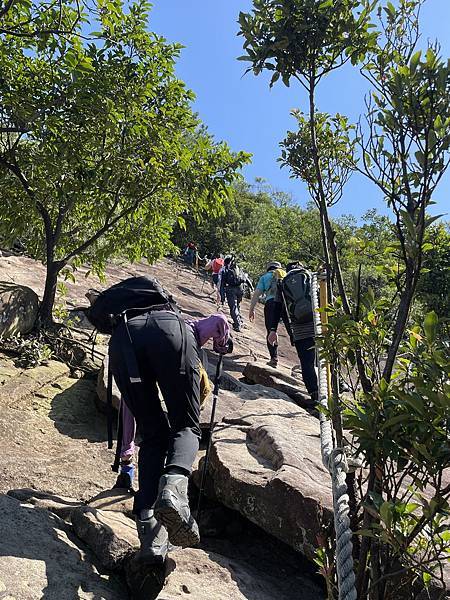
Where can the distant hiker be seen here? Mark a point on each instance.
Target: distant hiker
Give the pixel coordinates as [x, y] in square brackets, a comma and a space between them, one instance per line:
[214, 265]
[267, 287]
[230, 286]
[190, 254]
[294, 293]
[153, 347]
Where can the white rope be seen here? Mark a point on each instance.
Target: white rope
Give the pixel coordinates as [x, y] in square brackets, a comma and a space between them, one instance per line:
[335, 460]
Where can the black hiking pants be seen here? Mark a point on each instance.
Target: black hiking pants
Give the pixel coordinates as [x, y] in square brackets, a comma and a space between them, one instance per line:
[170, 439]
[307, 354]
[234, 296]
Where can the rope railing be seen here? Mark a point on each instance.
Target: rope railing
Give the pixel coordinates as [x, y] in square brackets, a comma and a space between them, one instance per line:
[335, 461]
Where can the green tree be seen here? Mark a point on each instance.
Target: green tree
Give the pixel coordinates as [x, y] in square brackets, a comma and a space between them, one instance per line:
[404, 151]
[105, 153]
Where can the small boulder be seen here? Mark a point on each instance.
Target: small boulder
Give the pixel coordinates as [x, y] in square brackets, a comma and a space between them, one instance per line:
[112, 536]
[19, 307]
[102, 386]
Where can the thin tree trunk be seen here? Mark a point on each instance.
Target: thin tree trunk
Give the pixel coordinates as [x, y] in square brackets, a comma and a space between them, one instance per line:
[51, 280]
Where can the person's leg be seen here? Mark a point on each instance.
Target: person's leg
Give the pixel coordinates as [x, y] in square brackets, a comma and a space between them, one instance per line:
[232, 304]
[268, 311]
[144, 403]
[239, 296]
[181, 395]
[307, 355]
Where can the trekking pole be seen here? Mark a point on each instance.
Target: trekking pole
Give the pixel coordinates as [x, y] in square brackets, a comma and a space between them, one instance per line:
[211, 427]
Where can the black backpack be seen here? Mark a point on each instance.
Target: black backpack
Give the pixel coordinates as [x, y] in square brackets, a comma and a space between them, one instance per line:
[233, 275]
[132, 297]
[296, 291]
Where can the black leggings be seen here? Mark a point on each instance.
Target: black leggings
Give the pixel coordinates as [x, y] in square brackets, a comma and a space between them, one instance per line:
[167, 440]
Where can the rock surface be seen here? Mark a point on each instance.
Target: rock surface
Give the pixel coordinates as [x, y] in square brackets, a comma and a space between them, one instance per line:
[277, 380]
[200, 575]
[111, 535]
[59, 505]
[115, 500]
[266, 464]
[40, 558]
[53, 436]
[19, 307]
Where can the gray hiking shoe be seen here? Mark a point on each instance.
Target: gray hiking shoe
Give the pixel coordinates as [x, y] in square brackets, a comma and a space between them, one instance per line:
[273, 362]
[172, 510]
[154, 540]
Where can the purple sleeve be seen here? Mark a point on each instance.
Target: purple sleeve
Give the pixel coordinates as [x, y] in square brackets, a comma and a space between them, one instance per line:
[128, 431]
[215, 327]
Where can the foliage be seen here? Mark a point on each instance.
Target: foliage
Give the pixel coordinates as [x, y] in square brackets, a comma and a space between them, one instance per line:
[335, 146]
[305, 39]
[106, 152]
[36, 20]
[398, 373]
[433, 289]
[31, 351]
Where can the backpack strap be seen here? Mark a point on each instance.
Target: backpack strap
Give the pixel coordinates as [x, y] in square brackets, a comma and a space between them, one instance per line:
[116, 464]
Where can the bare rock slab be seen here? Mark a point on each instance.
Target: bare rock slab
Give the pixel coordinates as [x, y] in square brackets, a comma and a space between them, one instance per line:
[39, 558]
[114, 500]
[266, 464]
[277, 380]
[59, 505]
[196, 574]
[110, 535]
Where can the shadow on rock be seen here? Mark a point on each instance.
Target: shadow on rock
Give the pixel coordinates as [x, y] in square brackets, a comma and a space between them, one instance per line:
[40, 558]
[75, 414]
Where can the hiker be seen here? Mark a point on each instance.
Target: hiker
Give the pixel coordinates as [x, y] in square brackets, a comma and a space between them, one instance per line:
[294, 293]
[214, 265]
[267, 287]
[190, 254]
[230, 286]
[151, 348]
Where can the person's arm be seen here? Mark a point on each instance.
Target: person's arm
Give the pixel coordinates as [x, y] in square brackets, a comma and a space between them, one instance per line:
[253, 302]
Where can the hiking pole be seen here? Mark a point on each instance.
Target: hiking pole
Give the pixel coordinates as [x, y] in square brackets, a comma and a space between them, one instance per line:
[211, 427]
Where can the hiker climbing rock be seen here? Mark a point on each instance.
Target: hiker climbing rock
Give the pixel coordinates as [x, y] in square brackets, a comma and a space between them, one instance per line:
[267, 287]
[294, 293]
[214, 265]
[230, 286]
[190, 254]
[153, 347]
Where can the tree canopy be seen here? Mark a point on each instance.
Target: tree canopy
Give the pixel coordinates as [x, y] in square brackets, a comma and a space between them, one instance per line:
[100, 150]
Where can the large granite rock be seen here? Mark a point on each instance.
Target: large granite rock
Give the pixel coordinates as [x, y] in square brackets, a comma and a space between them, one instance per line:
[266, 464]
[59, 505]
[40, 558]
[19, 307]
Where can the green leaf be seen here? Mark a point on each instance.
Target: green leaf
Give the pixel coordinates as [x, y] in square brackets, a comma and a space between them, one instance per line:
[430, 325]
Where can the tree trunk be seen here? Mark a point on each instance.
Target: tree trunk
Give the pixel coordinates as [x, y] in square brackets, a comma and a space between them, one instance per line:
[51, 280]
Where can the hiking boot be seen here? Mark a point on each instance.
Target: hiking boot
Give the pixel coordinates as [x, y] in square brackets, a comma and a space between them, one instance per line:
[236, 327]
[273, 362]
[172, 510]
[154, 540]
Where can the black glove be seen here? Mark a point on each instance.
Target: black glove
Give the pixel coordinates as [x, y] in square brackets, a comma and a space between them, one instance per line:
[230, 346]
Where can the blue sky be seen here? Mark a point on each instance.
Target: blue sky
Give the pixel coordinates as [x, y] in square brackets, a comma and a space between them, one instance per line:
[243, 111]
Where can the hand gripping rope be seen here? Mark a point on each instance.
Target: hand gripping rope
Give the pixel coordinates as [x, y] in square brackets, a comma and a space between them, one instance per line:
[335, 460]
